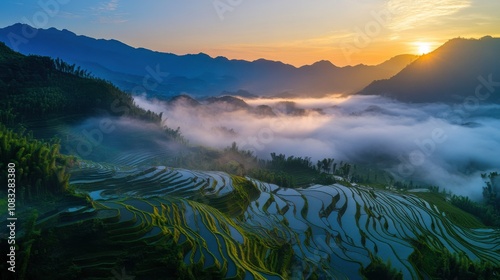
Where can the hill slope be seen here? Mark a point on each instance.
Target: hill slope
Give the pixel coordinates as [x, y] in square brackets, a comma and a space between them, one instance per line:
[451, 73]
[197, 74]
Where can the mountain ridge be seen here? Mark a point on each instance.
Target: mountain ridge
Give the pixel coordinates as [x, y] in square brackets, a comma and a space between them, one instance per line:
[197, 74]
[451, 73]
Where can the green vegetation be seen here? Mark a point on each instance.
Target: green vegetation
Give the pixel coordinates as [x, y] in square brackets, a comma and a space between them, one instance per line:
[88, 259]
[236, 202]
[454, 213]
[488, 211]
[378, 269]
[148, 239]
[288, 172]
[485, 213]
[42, 89]
[292, 171]
[205, 158]
[39, 88]
[175, 135]
[40, 168]
[490, 191]
[441, 264]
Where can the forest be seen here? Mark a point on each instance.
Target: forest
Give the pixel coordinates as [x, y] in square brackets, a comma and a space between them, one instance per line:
[41, 169]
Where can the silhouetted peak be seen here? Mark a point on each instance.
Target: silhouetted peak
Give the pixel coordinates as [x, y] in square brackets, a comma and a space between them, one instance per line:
[263, 61]
[228, 99]
[447, 74]
[202, 54]
[183, 99]
[222, 58]
[264, 110]
[17, 26]
[323, 63]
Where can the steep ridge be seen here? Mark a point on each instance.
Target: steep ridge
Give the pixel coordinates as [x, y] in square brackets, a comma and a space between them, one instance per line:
[460, 69]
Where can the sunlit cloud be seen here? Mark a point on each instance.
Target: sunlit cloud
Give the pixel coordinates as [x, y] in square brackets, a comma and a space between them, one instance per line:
[414, 13]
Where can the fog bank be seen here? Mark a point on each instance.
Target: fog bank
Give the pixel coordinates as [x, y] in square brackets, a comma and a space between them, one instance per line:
[437, 144]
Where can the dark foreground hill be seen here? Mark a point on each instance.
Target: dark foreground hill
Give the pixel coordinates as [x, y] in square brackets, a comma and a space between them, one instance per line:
[37, 88]
[460, 71]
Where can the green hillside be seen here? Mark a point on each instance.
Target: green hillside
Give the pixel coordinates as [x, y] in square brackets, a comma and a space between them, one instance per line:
[40, 88]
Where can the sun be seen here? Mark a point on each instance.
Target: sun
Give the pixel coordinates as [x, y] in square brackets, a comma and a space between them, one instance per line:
[423, 47]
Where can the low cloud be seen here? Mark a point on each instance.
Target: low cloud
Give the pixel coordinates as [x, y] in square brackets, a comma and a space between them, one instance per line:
[419, 142]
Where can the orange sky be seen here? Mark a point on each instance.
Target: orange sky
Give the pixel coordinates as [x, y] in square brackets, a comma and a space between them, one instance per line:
[344, 32]
[298, 32]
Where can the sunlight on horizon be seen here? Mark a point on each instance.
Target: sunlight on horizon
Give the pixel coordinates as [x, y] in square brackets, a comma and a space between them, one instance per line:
[306, 102]
[423, 47]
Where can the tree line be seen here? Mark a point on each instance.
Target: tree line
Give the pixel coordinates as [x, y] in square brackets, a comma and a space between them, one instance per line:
[488, 211]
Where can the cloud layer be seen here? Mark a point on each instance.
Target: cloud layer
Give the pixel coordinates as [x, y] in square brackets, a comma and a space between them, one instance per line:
[431, 143]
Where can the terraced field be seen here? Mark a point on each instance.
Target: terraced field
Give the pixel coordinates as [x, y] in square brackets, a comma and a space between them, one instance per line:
[242, 227]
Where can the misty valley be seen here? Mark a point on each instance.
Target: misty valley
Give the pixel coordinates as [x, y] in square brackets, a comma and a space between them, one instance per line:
[362, 182]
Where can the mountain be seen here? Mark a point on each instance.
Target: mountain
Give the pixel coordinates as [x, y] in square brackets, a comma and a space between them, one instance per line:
[139, 70]
[183, 100]
[451, 73]
[229, 103]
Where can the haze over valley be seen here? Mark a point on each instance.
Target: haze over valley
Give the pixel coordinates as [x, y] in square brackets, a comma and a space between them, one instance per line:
[255, 142]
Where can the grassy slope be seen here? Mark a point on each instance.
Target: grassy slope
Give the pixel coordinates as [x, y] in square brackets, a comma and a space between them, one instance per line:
[456, 215]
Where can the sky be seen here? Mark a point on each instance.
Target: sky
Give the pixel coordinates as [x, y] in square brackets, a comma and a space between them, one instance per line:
[297, 32]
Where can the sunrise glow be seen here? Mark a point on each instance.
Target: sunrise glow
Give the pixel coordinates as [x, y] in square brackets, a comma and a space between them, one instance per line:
[423, 47]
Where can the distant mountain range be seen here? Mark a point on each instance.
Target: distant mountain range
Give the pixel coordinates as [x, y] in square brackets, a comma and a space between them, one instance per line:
[164, 74]
[460, 71]
[227, 103]
[451, 73]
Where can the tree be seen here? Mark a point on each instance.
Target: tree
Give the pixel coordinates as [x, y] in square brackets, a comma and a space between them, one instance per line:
[490, 191]
[377, 269]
